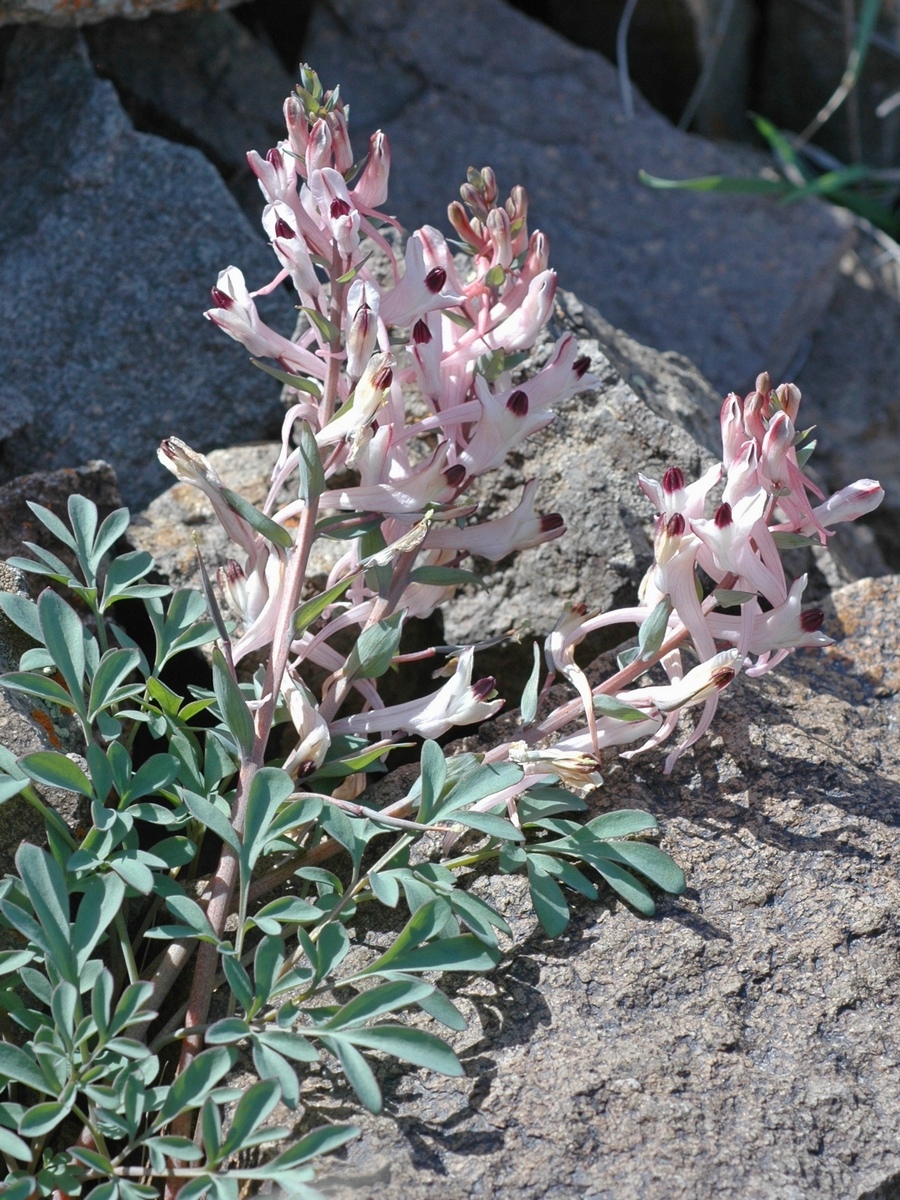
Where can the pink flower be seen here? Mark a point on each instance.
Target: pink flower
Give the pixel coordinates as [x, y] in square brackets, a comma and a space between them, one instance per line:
[520, 529]
[236, 314]
[337, 212]
[458, 702]
[855, 500]
[371, 188]
[280, 223]
[421, 290]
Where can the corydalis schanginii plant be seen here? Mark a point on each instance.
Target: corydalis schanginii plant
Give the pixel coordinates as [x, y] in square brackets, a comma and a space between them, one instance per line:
[404, 391]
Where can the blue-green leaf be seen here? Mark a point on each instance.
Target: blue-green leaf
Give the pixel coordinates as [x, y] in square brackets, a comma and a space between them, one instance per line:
[411, 1045]
[194, 1084]
[548, 900]
[359, 1073]
[56, 770]
[232, 705]
[115, 666]
[63, 636]
[375, 648]
[270, 530]
[20, 1066]
[320, 1141]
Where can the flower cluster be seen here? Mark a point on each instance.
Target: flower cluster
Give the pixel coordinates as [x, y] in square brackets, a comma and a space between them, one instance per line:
[730, 527]
[403, 375]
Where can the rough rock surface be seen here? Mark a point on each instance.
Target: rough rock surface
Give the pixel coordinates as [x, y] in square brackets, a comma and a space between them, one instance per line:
[88, 12]
[738, 1045]
[52, 489]
[734, 283]
[690, 56]
[199, 78]
[849, 383]
[109, 243]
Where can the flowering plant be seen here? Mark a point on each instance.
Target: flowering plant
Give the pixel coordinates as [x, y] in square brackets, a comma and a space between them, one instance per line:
[404, 387]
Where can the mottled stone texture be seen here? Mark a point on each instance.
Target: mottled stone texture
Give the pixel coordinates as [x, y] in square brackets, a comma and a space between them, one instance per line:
[89, 12]
[109, 243]
[739, 1045]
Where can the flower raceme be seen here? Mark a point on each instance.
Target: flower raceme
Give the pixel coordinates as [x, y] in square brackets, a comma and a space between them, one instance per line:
[404, 389]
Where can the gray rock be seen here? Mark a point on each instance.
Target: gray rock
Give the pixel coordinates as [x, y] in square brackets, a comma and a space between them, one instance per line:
[739, 1045]
[734, 283]
[52, 489]
[15, 411]
[686, 56]
[199, 78]
[109, 243]
[88, 12]
[849, 383]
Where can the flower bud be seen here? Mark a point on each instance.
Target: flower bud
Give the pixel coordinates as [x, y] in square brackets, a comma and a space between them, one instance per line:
[849, 503]
[297, 127]
[778, 440]
[372, 186]
[517, 208]
[466, 229]
[538, 256]
[340, 140]
[362, 307]
[318, 148]
[499, 237]
[789, 398]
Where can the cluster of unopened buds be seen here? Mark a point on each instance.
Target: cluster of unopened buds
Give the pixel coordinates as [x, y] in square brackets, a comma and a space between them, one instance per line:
[405, 390]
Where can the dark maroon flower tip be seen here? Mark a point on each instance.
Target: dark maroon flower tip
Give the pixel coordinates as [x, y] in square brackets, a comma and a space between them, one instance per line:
[339, 208]
[435, 280]
[220, 299]
[675, 525]
[383, 379]
[455, 475]
[723, 515]
[518, 403]
[483, 687]
[283, 230]
[673, 480]
[580, 366]
[579, 609]
[166, 446]
[551, 521]
[811, 620]
[274, 157]
[722, 676]
[306, 768]
[421, 334]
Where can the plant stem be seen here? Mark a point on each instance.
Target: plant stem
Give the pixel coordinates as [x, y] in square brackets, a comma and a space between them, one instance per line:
[225, 879]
